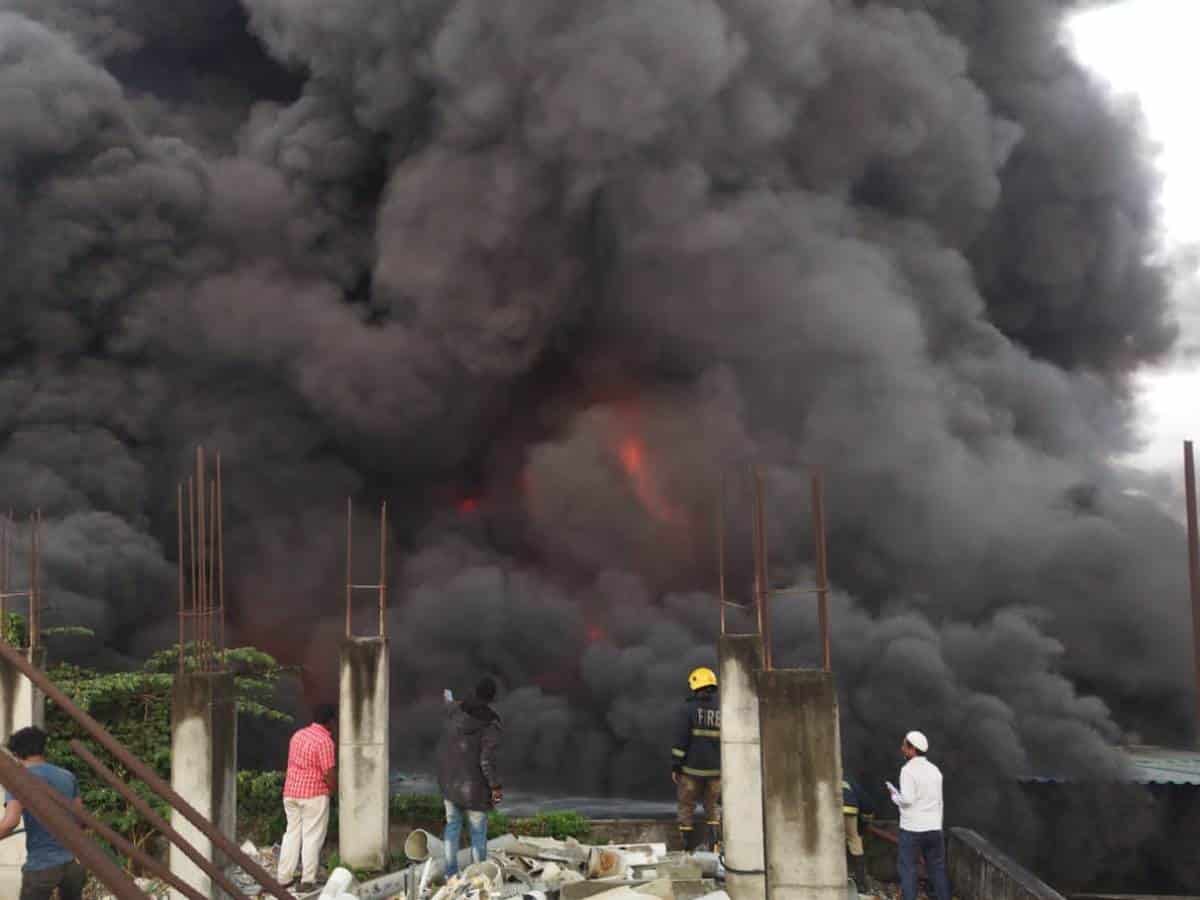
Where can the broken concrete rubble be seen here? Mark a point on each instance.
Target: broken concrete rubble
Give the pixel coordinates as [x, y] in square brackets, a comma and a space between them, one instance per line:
[544, 869]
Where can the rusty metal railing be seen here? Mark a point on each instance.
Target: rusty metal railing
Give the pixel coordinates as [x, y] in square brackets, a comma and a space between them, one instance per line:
[64, 823]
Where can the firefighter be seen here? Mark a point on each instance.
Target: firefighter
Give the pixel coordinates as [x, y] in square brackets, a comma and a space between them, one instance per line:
[696, 761]
[856, 809]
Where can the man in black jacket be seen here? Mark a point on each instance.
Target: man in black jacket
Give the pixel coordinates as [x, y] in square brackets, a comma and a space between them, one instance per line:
[467, 771]
[696, 760]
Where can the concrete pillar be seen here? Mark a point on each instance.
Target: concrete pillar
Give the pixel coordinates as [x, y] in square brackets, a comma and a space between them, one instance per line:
[203, 767]
[21, 705]
[363, 773]
[741, 767]
[802, 785]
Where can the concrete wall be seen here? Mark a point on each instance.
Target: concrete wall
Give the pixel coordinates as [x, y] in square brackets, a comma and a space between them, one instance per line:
[978, 871]
[363, 774]
[21, 705]
[741, 767]
[802, 785]
[203, 766]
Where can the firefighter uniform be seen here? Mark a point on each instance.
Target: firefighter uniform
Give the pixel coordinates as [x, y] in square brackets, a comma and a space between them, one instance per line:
[696, 761]
[855, 810]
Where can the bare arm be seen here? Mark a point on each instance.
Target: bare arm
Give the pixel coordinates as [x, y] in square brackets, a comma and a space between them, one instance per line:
[12, 817]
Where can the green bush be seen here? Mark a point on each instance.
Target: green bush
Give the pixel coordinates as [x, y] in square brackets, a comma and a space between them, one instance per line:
[558, 825]
[260, 807]
[427, 811]
[135, 707]
[416, 808]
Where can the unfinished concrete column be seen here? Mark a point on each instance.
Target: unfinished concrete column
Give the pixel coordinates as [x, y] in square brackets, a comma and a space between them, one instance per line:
[21, 705]
[741, 767]
[802, 785]
[203, 766]
[363, 776]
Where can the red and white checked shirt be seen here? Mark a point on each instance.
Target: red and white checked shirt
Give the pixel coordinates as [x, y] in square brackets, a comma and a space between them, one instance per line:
[310, 756]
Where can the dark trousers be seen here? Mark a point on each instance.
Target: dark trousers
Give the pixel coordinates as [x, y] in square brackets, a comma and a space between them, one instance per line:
[40, 883]
[930, 845]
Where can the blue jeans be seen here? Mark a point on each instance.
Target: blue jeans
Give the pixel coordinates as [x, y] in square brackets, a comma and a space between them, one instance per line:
[932, 846]
[478, 823]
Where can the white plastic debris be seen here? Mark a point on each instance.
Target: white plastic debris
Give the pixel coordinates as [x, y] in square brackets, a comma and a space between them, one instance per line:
[337, 885]
[710, 864]
[484, 874]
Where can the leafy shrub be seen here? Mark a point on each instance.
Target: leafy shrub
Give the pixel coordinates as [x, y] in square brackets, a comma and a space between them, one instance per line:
[427, 811]
[260, 807]
[135, 707]
[559, 825]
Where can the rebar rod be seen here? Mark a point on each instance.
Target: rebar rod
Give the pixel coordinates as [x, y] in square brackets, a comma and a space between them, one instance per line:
[34, 619]
[179, 569]
[220, 563]
[763, 576]
[723, 600]
[1193, 539]
[3, 574]
[210, 632]
[822, 566]
[201, 537]
[193, 596]
[382, 569]
[349, 563]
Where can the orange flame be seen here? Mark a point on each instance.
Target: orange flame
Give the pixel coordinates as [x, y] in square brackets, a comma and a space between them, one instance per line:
[632, 453]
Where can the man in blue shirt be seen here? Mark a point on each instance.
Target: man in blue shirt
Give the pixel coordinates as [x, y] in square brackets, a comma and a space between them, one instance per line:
[48, 864]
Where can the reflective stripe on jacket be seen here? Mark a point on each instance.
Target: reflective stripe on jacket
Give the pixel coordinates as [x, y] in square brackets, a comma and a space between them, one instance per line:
[855, 802]
[849, 799]
[697, 749]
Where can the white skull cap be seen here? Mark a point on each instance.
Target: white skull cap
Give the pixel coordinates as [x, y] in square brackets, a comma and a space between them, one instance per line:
[918, 740]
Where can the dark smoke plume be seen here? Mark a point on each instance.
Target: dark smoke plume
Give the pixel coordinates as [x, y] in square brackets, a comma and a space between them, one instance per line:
[540, 273]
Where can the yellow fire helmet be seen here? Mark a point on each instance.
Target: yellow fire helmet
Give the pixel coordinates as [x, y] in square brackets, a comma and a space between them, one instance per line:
[701, 678]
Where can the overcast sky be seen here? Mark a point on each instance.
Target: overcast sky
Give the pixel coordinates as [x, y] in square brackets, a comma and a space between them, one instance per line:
[1147, 48]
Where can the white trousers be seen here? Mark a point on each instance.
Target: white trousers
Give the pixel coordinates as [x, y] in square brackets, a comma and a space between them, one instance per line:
[307, 822]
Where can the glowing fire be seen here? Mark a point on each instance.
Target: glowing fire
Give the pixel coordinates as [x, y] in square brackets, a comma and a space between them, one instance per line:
[596, 634]
[468, 506]
[632, 453]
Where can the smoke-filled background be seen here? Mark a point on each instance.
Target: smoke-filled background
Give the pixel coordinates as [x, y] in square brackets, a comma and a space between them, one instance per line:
[541, 274]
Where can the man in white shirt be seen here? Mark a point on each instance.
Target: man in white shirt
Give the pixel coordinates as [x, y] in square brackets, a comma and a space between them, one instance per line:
[920, 802]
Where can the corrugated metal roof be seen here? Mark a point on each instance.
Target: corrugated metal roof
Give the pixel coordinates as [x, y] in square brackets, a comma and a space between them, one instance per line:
[1162, 765]
[1148, 765]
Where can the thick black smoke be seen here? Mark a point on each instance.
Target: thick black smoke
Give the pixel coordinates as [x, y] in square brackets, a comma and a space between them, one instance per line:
[541, 274]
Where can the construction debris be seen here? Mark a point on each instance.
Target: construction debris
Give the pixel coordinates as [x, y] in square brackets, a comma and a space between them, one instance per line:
[542, 869]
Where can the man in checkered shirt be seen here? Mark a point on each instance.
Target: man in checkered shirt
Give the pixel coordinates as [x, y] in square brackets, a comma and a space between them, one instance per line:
[310, 783]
